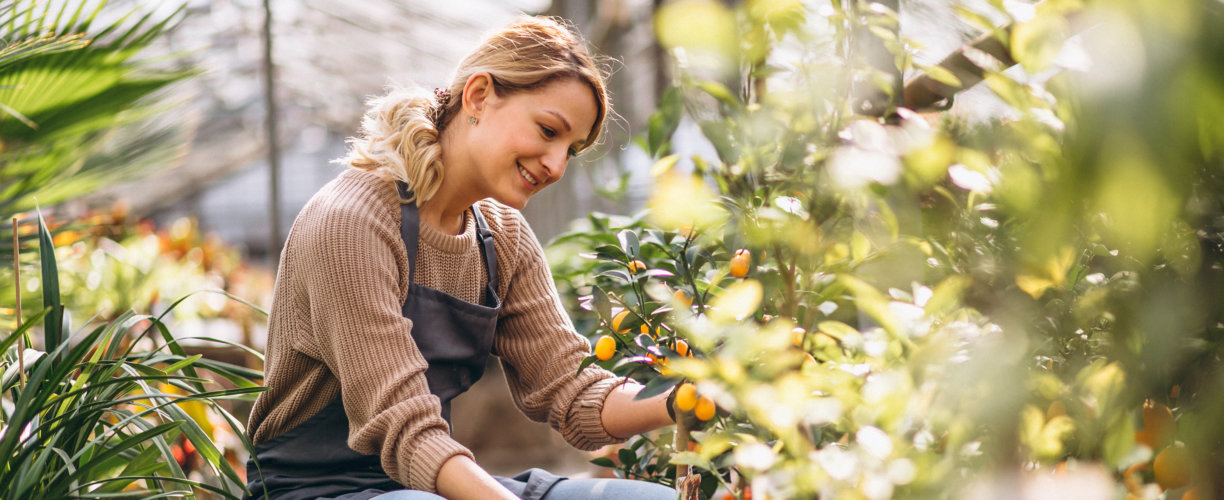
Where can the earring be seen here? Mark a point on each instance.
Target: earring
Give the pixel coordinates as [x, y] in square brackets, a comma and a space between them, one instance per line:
[472, 120]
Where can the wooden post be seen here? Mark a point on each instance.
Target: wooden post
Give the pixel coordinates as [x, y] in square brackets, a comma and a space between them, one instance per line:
[687, 484]
[269, 88]
[925, 93]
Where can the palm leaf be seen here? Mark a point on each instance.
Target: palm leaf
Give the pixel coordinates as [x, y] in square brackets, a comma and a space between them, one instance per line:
[82, 102]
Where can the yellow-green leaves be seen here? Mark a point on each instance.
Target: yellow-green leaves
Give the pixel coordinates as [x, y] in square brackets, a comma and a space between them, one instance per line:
[1035, 42]
[1044, 436]
[683, 202]
[1045, 271]
[1135, 200]
[737, 302]
[703, 32]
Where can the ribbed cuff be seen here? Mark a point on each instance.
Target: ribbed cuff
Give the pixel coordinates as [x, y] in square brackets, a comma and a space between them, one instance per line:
[433, 450]
[588, 428]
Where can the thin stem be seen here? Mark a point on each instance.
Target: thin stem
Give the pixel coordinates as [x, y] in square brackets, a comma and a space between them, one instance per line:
[17, 279]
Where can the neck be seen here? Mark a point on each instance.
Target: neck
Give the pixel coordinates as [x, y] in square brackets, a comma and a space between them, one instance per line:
[444, 211]
[444, 216]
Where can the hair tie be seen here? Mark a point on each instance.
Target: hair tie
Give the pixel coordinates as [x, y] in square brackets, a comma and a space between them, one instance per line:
[441, 98]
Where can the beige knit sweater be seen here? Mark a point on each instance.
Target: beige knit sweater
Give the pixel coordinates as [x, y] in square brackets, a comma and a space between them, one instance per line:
[335, 328]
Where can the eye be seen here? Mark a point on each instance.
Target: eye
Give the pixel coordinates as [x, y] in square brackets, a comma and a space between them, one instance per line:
[572, 152]
[548, 132]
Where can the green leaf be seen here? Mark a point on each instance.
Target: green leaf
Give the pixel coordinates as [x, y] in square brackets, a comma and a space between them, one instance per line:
[613, 253]
[693, 459]
[1036, 42]
[53, 330]
[663, 122]
[616, 274]
[587, 361]
[719, 91]
[664, 165]
[655, 387]
[838, 330]
[601, 303]
[627, 456]
[629, 242]
[942, 75]
[603, 462]
[947, 295]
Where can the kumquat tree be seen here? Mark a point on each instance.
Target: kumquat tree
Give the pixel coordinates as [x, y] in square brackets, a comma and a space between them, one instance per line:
[875, 284]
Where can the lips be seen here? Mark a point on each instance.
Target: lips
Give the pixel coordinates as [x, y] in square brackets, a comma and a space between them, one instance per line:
[527, 175]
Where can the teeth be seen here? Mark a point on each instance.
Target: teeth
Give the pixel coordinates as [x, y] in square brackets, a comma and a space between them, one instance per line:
[527, 175]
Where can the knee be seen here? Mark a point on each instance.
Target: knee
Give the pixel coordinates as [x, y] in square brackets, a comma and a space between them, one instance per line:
[407, 495]
[609, 489]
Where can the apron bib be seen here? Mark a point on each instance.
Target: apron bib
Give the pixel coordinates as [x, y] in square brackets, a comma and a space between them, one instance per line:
[313, 460]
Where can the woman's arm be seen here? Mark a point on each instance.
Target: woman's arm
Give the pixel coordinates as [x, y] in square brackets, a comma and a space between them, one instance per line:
[461, 479]
[623, 416]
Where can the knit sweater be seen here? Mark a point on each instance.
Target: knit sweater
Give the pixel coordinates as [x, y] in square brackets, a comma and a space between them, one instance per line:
[336, 328]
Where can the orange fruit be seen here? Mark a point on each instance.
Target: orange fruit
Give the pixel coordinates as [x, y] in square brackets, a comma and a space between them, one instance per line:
[682, 347]
[605, 347]
[657, 331]
[704, 410]
[1057, 408]
[683, 298]
[1145, 438]
[1158, 423]
[618, 319]
[686, 397]
[740, 262]
[1191, 494]
[1172, 467]
[636, 266]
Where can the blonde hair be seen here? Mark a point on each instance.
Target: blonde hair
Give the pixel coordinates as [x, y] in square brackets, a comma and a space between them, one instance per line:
[400, 130]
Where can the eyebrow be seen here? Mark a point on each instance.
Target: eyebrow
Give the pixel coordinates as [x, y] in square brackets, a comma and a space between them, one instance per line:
[566, 123]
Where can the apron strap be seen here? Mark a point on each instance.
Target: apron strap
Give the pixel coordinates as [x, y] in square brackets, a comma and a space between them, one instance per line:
[410, 227]
[490, 256]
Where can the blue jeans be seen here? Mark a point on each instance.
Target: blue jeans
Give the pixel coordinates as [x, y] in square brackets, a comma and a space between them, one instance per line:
[573, 489]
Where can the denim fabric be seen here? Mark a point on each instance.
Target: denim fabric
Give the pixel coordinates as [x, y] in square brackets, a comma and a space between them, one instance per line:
[573, 489]
[609, 489]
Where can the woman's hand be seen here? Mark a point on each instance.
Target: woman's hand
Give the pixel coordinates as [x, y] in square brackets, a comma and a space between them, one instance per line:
[623, 416]
[461, 479]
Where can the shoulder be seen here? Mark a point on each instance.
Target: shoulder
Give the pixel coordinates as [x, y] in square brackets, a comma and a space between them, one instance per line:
[353, 197]
[350, 213]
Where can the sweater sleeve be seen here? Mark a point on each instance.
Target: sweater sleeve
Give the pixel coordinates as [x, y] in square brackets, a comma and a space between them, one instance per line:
[541, 352]
[354, 282]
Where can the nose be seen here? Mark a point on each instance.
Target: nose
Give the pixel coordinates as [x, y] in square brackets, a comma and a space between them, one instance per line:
[555, 162]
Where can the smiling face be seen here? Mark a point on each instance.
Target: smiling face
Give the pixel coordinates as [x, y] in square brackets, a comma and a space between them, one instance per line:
[523, 140]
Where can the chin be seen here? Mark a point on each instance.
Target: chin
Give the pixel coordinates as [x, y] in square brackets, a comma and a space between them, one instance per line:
[516, 203]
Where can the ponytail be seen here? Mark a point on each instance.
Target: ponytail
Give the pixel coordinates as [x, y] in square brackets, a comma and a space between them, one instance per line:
[399, 137]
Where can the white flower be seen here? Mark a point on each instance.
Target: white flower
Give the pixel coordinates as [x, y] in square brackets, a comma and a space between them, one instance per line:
[875, 442]
[754, 456]
[969, 179]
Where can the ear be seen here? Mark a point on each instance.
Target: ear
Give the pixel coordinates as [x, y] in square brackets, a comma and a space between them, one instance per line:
[477, 93]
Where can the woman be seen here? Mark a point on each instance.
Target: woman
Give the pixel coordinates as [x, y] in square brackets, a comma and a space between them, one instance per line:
[401, 276]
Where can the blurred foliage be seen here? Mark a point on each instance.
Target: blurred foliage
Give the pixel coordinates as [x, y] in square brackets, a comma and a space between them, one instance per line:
[110, 264]
[936, 305]
[78, 104]
[115, 406]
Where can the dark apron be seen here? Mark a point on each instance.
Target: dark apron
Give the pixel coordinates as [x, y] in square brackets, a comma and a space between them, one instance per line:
[313, 460]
